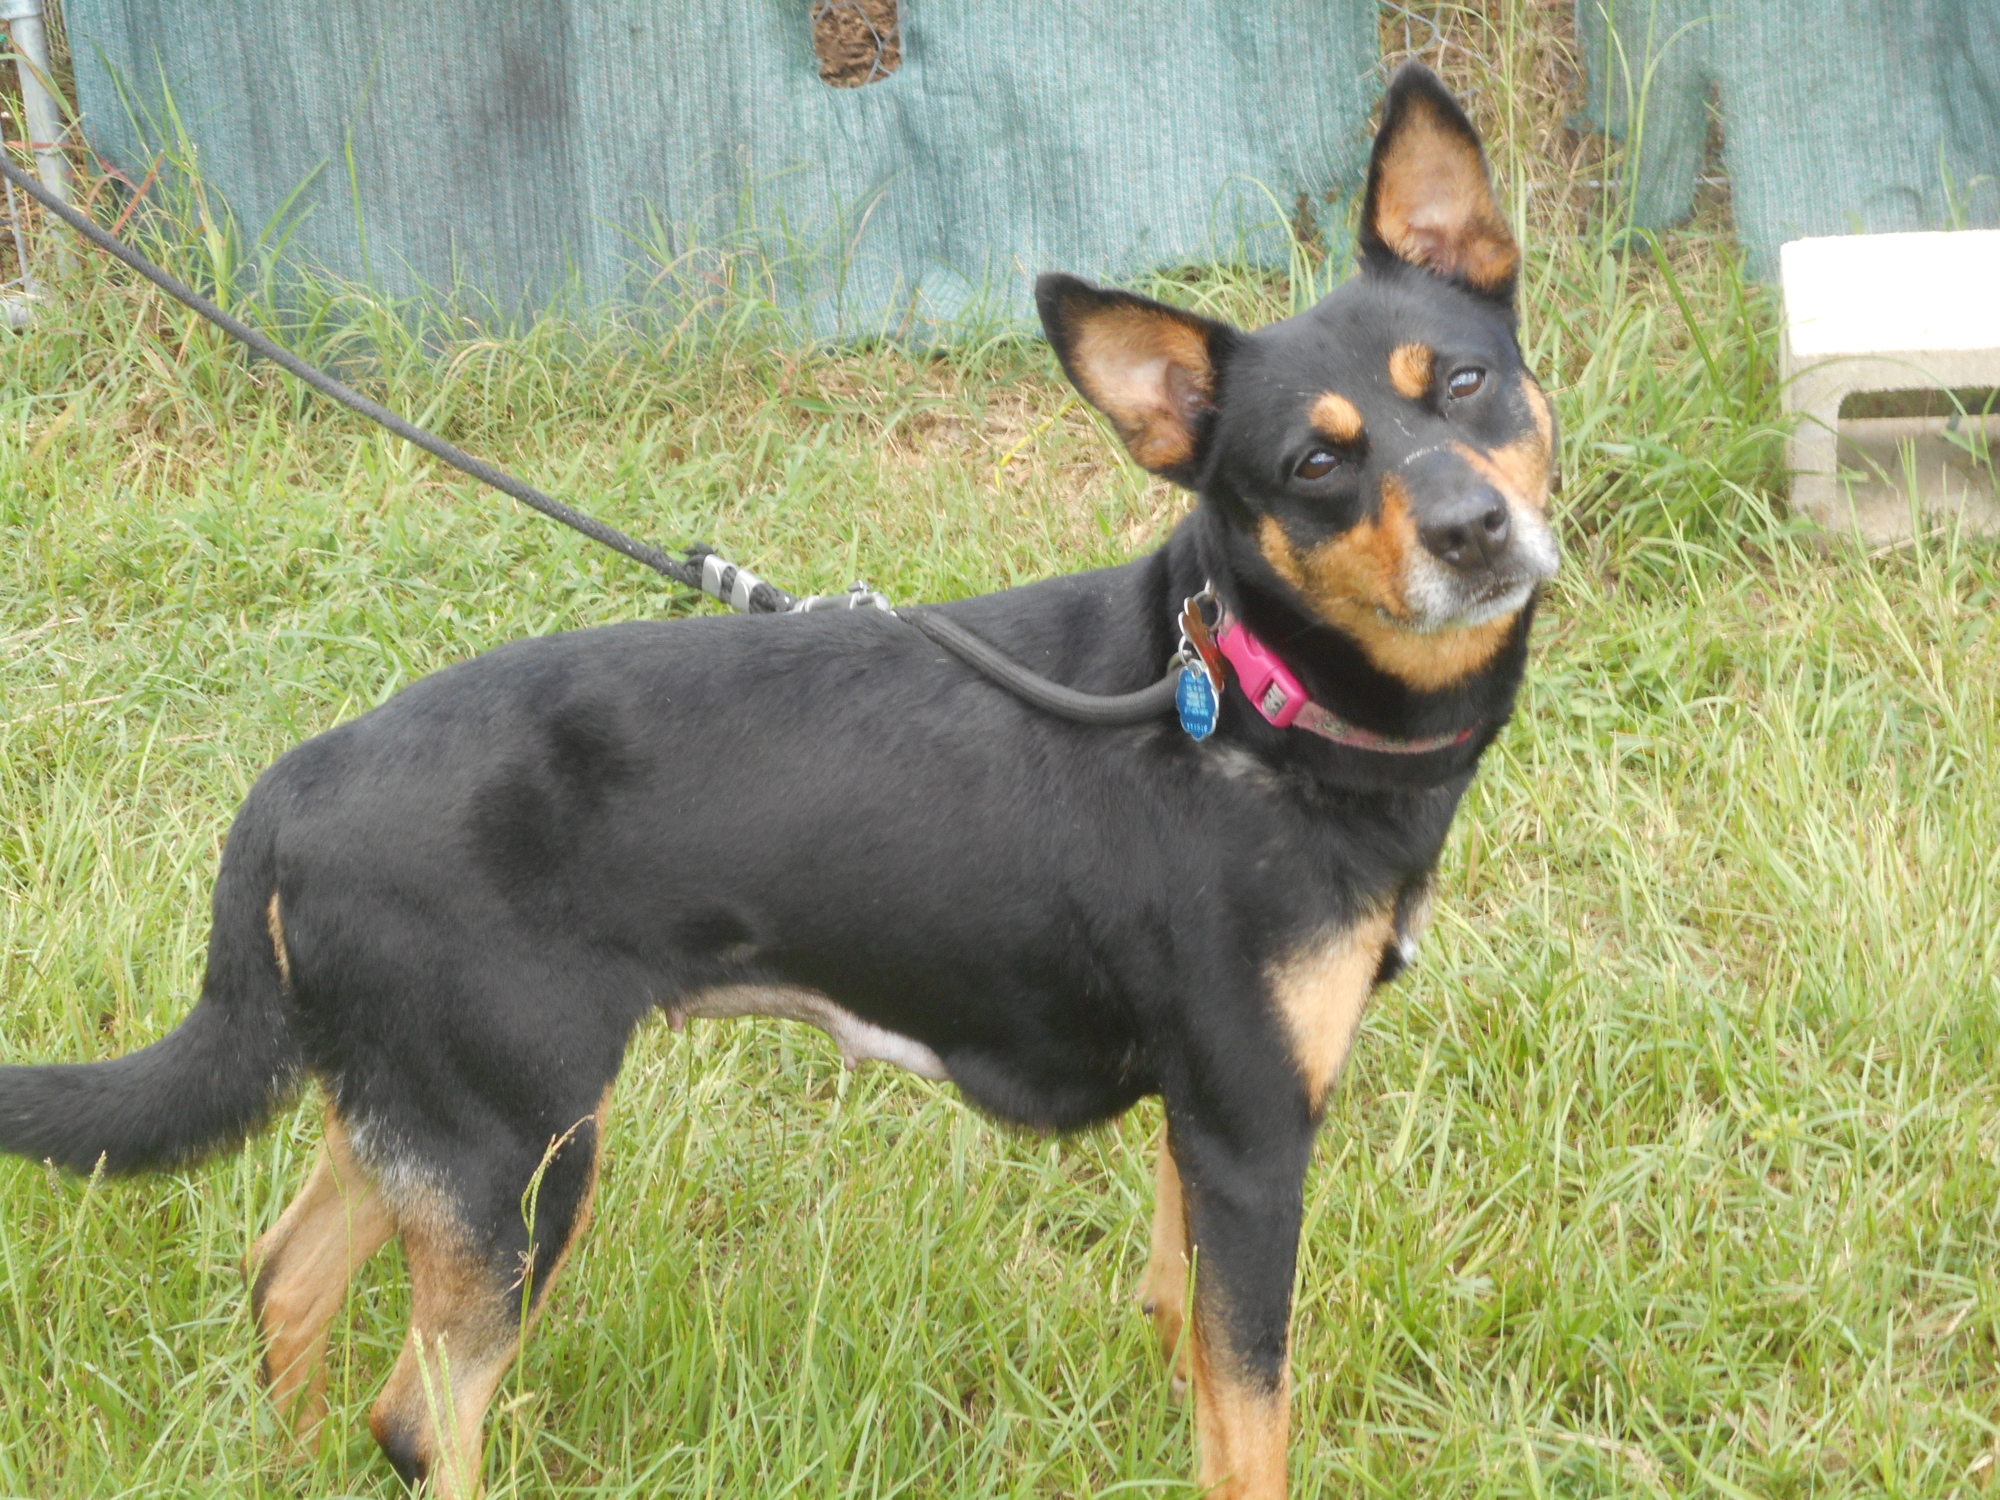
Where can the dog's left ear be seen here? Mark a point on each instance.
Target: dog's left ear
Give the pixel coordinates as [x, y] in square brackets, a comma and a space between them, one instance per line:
[1149, 367]
[1430, 202]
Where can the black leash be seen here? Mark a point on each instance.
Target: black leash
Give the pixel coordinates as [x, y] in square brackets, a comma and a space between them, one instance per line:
[1051, 697]
[702, 568]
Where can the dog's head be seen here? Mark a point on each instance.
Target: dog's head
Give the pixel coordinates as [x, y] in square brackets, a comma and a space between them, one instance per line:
[1383, 461]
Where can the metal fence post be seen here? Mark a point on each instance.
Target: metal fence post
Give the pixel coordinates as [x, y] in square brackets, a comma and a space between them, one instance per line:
[41, 116]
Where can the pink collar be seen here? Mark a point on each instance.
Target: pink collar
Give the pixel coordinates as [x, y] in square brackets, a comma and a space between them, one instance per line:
[1283, 701]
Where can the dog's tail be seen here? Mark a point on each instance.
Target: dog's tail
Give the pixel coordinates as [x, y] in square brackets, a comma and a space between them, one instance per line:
[207, 1083]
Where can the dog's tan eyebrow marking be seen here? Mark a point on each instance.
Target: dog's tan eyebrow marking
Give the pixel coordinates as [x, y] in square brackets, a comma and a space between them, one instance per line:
[1334, 416]
[1410, 370]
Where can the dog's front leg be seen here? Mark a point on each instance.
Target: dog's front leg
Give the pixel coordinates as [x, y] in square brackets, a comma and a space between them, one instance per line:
[1163, 1288]
[1243, 1195]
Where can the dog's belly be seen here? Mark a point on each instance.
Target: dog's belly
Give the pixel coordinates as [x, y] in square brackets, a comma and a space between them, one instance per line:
[859, 1041]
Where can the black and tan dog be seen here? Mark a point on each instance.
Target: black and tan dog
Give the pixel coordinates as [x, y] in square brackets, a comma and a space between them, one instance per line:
[453, 911]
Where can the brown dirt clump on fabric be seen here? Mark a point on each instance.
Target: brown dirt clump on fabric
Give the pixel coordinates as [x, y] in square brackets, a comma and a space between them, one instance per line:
[856, 41]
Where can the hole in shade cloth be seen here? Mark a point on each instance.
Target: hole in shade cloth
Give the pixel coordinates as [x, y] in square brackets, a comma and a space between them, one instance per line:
[856, 41]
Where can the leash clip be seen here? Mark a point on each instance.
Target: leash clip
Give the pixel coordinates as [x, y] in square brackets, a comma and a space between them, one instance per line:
[858, 596]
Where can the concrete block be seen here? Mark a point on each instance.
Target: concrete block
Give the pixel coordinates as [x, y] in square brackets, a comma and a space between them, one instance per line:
[1891, 312]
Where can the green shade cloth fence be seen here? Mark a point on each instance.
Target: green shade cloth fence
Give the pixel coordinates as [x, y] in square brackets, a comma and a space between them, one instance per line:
[1838, 116]
[517, 149]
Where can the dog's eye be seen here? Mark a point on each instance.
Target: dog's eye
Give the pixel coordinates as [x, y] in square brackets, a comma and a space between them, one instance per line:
[1465, 382]
[1318, 464]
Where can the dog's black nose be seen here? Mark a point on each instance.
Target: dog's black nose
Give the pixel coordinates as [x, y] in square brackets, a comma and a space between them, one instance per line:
[1469, 532]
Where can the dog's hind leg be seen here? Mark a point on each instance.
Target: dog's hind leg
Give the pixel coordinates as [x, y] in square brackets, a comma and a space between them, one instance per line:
[299, 1272]
[1163, 1287]
[478, 1277]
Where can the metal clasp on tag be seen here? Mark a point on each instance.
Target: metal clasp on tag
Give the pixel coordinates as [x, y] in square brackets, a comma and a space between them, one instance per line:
[1198, 641]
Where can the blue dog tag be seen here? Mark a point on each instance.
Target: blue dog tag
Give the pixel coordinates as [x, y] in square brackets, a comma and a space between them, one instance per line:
[1194, 696]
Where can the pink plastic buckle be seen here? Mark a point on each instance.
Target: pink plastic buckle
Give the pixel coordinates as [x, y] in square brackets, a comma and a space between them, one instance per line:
[1266, 682]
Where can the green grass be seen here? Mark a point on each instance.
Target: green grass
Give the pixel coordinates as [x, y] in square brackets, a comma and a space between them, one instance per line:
[1673, 1169]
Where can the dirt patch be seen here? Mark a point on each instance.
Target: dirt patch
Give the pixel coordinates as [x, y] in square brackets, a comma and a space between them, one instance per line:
[856, 41]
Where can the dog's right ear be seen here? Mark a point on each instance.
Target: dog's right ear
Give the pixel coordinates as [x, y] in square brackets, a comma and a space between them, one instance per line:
[1149, 367]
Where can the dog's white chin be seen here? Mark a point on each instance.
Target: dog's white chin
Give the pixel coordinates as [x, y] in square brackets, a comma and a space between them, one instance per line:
[1446, 608]
[1494, 608]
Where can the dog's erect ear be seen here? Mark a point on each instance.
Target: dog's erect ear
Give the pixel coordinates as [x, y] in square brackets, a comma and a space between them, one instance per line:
[1430, 202]
[1149, 367]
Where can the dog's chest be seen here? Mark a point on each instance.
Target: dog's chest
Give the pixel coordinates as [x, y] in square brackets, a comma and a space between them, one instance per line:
[1320, 990]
